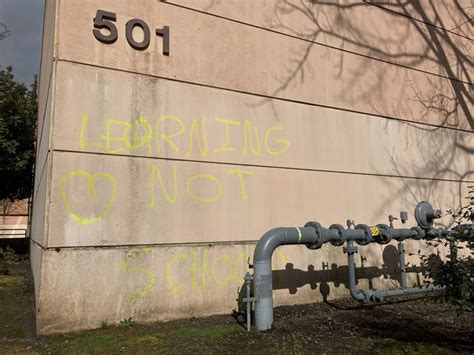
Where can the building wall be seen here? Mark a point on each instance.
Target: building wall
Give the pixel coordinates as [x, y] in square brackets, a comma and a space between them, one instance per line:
[40, 200]
[161, 172]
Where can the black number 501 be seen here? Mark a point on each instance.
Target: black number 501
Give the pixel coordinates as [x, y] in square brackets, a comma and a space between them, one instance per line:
[106, 20]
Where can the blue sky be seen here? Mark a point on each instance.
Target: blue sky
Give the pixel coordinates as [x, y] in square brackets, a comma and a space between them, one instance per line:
[21, 50]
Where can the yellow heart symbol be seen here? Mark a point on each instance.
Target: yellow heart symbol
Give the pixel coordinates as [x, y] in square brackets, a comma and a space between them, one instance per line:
[91, 179]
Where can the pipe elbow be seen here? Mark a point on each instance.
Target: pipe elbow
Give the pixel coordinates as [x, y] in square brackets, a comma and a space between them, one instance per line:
[357, 295]
[268, 243]
[282, 236]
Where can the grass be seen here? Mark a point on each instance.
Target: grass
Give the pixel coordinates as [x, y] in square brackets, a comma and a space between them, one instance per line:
[113, 339]
[8, 282]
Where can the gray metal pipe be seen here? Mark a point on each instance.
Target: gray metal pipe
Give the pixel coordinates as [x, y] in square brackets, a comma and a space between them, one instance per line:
[351, 250]
[375, 295]
[313, 235]
[262, 264]
[248, 300]
[403, 267]
[403, 233]
[354, 234]
[263, 285]
[404, 291]
[349, 234]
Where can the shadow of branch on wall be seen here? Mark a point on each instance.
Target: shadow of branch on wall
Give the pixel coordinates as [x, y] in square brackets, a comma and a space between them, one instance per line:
[433, 41]
[418, 40]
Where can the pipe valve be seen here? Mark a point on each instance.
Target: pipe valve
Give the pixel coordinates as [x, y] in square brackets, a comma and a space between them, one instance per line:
[425, 214]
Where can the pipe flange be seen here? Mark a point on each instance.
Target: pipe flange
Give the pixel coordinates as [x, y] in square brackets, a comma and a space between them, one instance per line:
[375, 296]
[367, 234]
[365, 294]
[385, 235]
[319, 235]
[341, 233]
[420, 233]
[433, 233]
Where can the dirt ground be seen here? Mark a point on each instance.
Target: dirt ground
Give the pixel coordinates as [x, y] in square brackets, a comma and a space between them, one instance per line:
[403, 326]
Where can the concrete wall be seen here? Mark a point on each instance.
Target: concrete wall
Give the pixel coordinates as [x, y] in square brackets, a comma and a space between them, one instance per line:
[39, 216]
[159, 173]
[169, 282]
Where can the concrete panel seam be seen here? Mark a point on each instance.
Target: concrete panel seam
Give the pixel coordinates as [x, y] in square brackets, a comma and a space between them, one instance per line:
[154, 245]
[39, 245]
[265, 166]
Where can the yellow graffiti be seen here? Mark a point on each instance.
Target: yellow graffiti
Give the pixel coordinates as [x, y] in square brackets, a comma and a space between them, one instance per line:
[227, 123]
[204, 188]
[196, 186]
[82, 142]
[124, 265]
[241, 174]
[123, 135]
[155, 172]
[167, 137]
[225, 260]
[224, 270]
[174, 287]
[109, 137]
[91, 194]
[203, 199]
[240, 260]
[195, 269]
[285, 142]
[198, 270]
[248, 140]
[141, 135]
[201, 138]
[281, 260]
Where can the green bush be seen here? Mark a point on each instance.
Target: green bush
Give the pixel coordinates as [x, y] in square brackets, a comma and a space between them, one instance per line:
[456, 274]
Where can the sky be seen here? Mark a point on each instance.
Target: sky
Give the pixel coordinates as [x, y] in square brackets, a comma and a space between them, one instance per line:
[22, 49]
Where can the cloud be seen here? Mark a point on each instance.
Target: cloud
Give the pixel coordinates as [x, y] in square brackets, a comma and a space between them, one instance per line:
[22, 49]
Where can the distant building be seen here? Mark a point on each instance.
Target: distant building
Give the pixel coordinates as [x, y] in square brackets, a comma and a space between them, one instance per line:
[13, 219]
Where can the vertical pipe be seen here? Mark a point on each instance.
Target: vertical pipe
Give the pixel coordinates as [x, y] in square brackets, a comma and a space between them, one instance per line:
[247, 279]
[351, 250]
[351, 263]
[262, 266]
[264, 293]
[403, 267]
